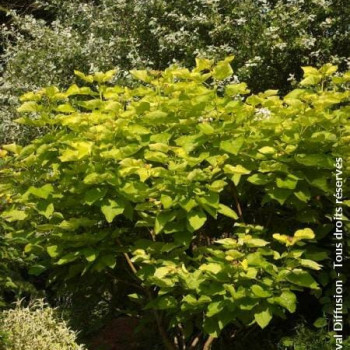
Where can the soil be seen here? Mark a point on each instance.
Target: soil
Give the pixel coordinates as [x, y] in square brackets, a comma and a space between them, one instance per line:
[118, 334]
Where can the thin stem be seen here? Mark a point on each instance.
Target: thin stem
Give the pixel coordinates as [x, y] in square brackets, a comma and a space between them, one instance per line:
[208, 343]
[238, 205]
[168, 344]
[181, 337]
[130, 263]
[195, 342]
[128, 260]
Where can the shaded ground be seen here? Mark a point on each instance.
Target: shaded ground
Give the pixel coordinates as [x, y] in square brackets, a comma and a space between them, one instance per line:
[118, 334]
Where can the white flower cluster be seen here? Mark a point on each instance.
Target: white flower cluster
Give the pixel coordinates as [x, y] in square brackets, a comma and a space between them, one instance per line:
[205, 120]
[308, 42]
[262, 114]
